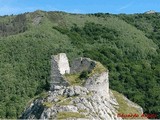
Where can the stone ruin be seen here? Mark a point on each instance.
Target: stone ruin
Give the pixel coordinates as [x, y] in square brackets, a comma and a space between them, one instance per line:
[82, 64]
[60, 66]
[94, 97]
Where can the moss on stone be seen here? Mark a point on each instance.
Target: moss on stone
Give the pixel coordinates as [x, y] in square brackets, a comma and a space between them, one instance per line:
[99, 68]
[82, 111]
[65, 115]
[61, 97]
[65, 101]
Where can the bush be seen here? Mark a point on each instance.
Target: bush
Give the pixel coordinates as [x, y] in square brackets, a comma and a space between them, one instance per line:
[83, 75]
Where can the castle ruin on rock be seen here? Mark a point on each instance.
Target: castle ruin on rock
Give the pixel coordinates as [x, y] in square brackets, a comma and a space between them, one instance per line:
[60, 66]
[89, 101]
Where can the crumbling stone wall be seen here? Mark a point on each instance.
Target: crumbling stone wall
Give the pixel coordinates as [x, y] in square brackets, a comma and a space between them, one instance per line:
[62, 62]
[59, 66]
[82, 64]
[98, 83]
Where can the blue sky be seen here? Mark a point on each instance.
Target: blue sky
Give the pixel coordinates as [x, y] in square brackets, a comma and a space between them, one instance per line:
[8, 7]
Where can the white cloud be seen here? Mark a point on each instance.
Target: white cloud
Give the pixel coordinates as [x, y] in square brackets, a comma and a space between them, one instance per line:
[126, 6]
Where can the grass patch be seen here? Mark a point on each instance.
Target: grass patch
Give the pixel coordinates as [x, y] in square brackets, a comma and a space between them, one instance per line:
[82, 110]
[64, 115]
[123, 106]
[61, 97]
[48, 104]
[74, 79]
[65, 102]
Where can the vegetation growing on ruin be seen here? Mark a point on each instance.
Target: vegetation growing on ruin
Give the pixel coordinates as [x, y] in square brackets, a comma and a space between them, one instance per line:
[80, 78]
[99, 68]
[74, 79]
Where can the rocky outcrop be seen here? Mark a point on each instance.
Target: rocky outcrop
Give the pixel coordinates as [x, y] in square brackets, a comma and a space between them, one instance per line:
[70, 101]
[98, 83]
[91, 101]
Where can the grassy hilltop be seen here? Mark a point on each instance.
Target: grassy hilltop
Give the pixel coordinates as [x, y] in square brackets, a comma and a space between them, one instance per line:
[128, 45]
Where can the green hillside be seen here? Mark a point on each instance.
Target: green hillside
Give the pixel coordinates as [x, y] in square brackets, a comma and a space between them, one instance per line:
[130, 52]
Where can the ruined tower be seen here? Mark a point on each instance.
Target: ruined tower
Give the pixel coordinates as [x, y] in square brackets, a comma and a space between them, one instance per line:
[59, 67]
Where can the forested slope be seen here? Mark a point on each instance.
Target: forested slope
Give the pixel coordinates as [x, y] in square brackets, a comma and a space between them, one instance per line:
[128, 45]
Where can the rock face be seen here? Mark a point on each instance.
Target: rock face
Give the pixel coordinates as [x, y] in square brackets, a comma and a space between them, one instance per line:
[99, 83]
[72, 102]
[91, 101]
